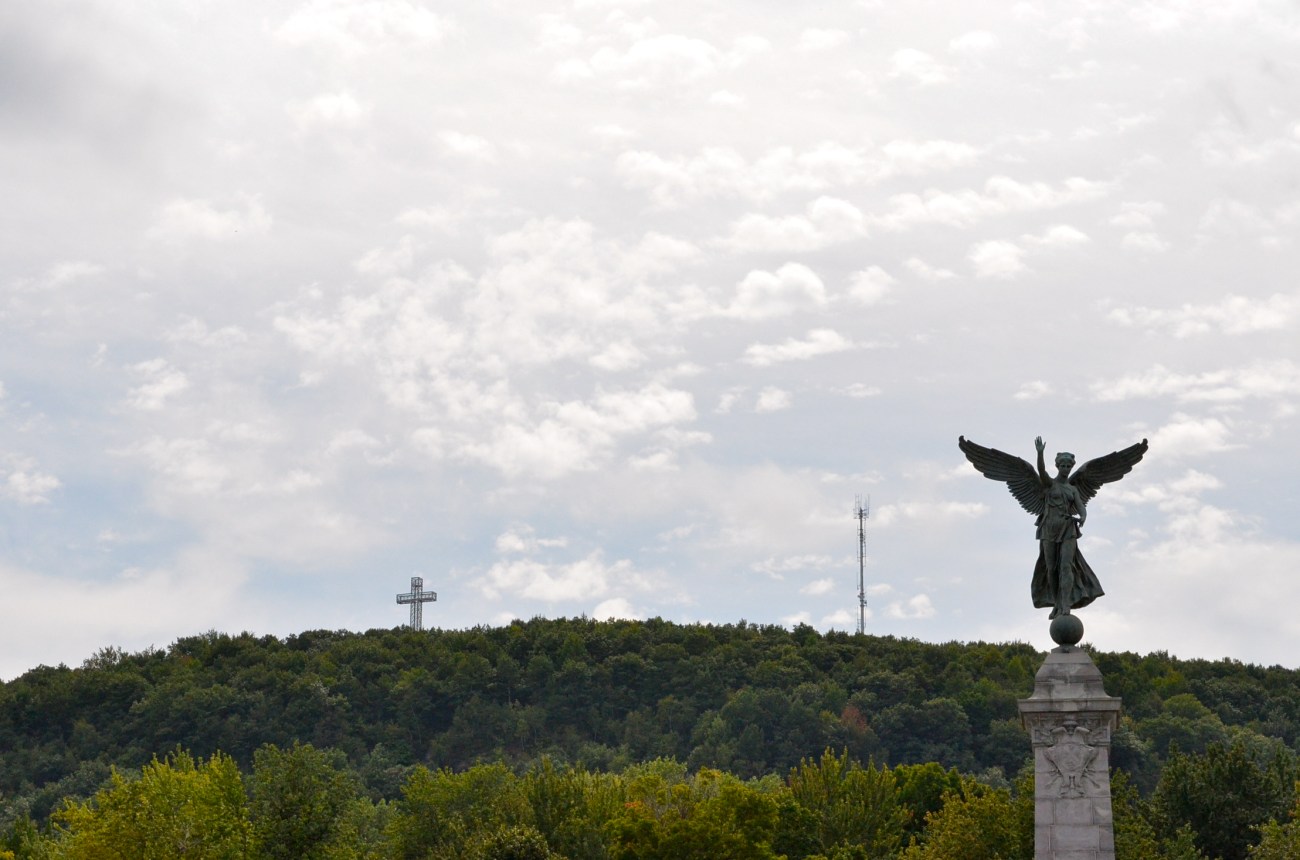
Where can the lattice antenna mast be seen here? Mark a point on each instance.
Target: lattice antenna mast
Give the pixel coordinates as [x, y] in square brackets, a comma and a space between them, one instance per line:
[417, 598]
[863, 513]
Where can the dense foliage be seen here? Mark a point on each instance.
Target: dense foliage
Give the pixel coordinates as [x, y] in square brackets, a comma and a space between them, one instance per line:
[376, 727]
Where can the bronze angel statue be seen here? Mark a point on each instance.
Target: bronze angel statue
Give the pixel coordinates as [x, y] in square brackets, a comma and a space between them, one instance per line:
[1062, 579]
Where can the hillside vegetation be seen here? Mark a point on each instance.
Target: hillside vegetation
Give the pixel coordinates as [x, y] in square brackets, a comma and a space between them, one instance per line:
[722, 708]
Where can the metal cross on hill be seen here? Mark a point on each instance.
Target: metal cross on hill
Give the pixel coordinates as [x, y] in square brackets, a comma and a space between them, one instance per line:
[417, 598]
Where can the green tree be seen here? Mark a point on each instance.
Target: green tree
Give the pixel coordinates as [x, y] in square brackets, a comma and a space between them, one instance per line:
[177, 808]
[712, 816]
[977, 823]
[518, 842]
[1223, 796]
[850, 804]
[299, 802]
[444, 814]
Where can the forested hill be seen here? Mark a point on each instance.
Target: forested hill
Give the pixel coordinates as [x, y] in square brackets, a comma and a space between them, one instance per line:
[747, 699]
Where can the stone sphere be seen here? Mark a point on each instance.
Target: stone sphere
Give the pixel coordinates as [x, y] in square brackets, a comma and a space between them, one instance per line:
[1067, 630]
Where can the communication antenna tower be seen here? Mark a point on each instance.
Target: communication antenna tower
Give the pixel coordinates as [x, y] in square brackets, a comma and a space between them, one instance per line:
[417, 597]
[863, 513]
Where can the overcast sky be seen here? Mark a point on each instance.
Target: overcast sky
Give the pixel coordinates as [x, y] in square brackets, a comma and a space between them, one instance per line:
[612, 308]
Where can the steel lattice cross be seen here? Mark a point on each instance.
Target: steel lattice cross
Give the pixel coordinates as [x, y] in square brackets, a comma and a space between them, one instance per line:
[417, 598]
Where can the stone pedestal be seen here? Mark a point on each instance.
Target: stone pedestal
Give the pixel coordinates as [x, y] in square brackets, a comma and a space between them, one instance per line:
[1070, 720]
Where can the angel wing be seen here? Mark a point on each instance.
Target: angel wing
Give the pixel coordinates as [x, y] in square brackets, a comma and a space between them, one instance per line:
[1103, 470]
[1020, 477]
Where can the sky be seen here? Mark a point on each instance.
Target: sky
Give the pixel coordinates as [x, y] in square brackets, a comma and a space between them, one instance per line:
[614, 308]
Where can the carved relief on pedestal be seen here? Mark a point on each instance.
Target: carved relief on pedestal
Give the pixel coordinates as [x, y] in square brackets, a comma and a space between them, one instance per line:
[1071, 751]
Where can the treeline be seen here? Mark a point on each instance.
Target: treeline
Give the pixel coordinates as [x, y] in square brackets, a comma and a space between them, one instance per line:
[302, 804]
[749, 701]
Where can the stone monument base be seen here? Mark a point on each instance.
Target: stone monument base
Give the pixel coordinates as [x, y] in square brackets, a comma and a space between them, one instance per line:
[1070, 720]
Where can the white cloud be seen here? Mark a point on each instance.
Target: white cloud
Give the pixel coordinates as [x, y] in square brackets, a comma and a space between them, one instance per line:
[822, 341]
[777, 566]
[842, 619]
[1234, 315]
[576, 582]
[201, 219]
[773, 399]
[814, 39]
[469, 146]
[818, 587]
[354, 28]
[25, 483]
[828, 221]
[614, 608]
[1186, 436]
[339, 109]
[718, 171]
[762, 294]
[870, 285]
[997, 258]
[659, 61]
[926, 272]
[1033, 390]
[161, 382]
[1134, 215]
[1001, 195]
[1146, 242]
[974, 43]
[577, 436]
[1058, 236]
[1262, 380]
[918, 67]
[932, 512]
[859, 390]
[524, 539]
[913, 609]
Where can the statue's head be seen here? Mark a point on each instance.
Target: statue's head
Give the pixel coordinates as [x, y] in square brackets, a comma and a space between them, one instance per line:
[1065, 460]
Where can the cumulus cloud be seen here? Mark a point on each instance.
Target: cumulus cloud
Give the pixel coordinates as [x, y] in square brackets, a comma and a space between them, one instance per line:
[615, 608]
[1233, 315]
[201, 219]
[23, 481]
[934, 512]
[913, 609]
[974, 43]
[762, 294]
[1150, 243]
[161, 382]
[870, 285]
[816, 39]
[469, 146]
[1262, 380]
[1058, 236]
[1138, 214]
[719, 171]
[918, 67]
[818, 587]
[574, 582]
[828, 221]
[326, 110]
[772, 399]
[1001, 195]
[926, 272]
[822, 341]
[352, 29]
[997, 258]
[1033, 390]
[657, 61]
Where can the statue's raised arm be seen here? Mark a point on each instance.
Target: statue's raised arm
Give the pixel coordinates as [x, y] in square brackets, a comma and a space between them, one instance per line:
[1062, 579]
